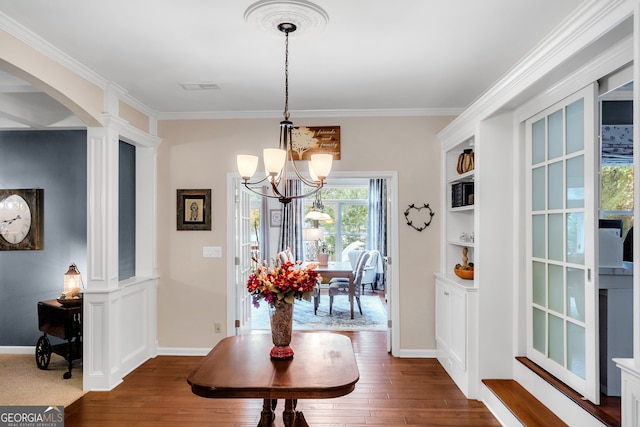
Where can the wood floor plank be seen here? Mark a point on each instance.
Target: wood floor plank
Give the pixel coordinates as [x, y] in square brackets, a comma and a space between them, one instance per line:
[391, 392]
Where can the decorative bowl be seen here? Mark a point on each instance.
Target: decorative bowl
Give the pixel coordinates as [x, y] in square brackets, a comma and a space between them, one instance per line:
[69, 302]
[464, 274]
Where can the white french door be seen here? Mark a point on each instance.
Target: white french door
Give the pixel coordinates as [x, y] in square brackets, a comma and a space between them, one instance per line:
[243, 263]
[562, 275]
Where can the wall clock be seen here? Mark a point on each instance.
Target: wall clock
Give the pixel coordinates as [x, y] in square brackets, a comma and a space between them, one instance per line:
[21, 219]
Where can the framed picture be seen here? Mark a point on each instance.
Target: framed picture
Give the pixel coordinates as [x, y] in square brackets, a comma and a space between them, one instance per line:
[275, 217]
[193, 209]
[22, 219]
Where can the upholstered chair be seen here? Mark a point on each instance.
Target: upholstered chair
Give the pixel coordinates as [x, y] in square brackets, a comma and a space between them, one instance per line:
[342, 288]
[374, 265]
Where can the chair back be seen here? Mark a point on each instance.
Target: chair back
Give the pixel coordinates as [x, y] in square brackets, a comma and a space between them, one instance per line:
[283, 257]
[359, 272]
[372, 267]
[354, 256]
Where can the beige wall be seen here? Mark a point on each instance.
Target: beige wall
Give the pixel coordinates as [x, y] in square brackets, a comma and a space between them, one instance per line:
[82, 97]
[133, 117]
[200, 153]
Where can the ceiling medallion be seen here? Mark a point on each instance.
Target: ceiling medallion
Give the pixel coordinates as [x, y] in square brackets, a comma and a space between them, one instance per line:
[268, 14]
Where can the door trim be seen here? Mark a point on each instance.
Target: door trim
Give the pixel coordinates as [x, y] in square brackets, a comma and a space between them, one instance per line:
[233, 178]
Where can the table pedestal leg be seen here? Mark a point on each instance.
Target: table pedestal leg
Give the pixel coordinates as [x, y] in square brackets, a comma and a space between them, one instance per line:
[291, 417]
[267, 416]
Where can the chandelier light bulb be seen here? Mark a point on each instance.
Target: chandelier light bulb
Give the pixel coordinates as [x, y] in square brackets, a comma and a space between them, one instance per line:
[247, 165]
[321, 165]
[312, 173]
[274, 159]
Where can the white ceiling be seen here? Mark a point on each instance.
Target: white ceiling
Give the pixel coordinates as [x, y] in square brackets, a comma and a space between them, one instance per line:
[416, 56]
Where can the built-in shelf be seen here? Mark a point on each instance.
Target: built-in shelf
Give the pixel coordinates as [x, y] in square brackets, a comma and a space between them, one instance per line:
[465, 177]
[456, 298]
[467, 284]
[462, 208]
[461, 243]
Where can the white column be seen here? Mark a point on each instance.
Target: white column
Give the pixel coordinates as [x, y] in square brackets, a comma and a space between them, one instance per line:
[99, 340]
[102, 224]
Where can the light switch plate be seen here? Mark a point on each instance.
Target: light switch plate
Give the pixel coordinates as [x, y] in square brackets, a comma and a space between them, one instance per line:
[211, 252]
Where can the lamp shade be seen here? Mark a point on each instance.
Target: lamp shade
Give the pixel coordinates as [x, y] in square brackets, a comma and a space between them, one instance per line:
[72, 281]
[247, 165]
[318, 216]
[321, 165]
[312, 234]
[274, 159]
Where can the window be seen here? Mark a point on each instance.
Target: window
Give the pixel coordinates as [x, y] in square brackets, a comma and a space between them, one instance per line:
[616, 174]
[347, 206]
[617, 194]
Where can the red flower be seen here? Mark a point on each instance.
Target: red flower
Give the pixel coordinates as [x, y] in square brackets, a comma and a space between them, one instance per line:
[282, 284]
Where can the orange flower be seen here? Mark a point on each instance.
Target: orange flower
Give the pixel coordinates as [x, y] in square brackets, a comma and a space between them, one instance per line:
[282, 284]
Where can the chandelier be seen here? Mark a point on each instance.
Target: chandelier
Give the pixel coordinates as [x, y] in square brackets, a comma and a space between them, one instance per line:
[317, 212]
[278, 162]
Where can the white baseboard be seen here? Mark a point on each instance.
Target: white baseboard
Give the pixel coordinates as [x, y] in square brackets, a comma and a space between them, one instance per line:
[27, 349]
[179, 351]
[424, 354]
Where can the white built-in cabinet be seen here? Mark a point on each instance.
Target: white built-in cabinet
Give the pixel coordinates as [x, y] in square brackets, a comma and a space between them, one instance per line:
[474, 317]
[455, 303]
[456, 298]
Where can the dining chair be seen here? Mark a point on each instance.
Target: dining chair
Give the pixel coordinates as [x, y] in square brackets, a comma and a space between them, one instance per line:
[342, 288]
[371, 270]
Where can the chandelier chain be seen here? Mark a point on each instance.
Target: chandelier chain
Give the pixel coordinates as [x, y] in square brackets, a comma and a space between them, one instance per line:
[286, 76]
[247, 164]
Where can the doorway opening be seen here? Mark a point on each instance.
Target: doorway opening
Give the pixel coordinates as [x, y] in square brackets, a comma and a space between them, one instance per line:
[343, 220]
[616, 224]
[338, 237]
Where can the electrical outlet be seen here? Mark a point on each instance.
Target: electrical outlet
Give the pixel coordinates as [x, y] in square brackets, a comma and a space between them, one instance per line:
[218, 327]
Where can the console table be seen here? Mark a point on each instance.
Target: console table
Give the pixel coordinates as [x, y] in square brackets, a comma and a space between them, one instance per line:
[64, 322]
[323, 366]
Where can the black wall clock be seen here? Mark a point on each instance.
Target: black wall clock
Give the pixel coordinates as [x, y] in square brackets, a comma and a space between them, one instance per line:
[21, 219]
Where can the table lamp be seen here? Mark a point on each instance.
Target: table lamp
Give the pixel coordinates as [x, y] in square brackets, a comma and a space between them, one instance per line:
[72, 283]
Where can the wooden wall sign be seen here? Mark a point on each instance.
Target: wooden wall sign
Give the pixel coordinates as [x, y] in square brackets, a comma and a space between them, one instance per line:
[308, 140]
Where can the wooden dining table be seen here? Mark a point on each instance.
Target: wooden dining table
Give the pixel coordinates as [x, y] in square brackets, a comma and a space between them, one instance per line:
[339, 269]
[323, 366]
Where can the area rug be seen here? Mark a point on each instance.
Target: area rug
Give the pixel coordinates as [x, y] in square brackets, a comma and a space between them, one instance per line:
[374, 317]
[23, 383]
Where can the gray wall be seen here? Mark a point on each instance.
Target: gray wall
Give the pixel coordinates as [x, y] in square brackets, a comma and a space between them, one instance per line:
[57, 162]
[127, 212]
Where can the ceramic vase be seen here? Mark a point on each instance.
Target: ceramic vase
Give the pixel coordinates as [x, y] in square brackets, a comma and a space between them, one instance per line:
[466, 161]
[281, 324]
[323, 259]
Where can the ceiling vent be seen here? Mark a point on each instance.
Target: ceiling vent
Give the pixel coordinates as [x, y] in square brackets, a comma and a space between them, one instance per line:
[200, 86]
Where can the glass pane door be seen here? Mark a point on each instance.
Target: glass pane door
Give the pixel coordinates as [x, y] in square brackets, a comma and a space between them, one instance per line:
[244, 265]
[562, 281]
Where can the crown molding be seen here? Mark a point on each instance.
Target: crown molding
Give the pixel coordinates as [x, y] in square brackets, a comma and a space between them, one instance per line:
[44, 47]
[270, 114]
[590, 21]
[38, 43]
[33, 40]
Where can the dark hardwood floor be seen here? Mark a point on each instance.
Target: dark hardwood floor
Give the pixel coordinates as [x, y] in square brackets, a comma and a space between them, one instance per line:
[391, 391]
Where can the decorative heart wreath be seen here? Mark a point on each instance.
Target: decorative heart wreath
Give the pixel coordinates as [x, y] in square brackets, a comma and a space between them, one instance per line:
[410, 221]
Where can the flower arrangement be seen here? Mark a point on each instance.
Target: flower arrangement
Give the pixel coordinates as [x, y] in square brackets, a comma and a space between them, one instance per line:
[283, 283]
